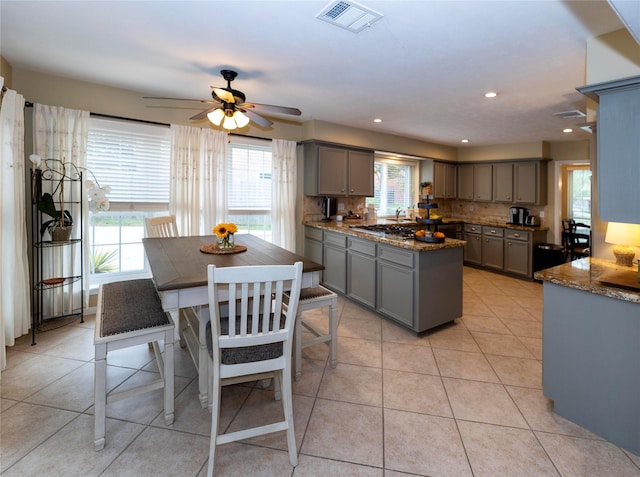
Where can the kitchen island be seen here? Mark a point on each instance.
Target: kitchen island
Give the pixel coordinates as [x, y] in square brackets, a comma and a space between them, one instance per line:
[415, 284]
[591, 337]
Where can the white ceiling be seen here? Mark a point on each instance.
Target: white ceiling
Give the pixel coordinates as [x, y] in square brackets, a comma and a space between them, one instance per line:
[423, 68]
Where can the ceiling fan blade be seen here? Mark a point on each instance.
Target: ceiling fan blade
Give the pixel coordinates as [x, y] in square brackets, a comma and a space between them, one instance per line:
[223, 95]
[256, 118]
[206, 101]
[202, 114]
[272, 108]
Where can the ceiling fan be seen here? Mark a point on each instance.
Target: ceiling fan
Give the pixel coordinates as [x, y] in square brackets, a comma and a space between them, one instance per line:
[231, 109]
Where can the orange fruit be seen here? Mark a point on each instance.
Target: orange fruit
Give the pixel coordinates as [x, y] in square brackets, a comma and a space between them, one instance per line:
[420, 233]
[438, 235]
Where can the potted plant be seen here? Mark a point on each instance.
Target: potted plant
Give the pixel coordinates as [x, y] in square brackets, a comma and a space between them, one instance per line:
[425, 188]
[61, 222]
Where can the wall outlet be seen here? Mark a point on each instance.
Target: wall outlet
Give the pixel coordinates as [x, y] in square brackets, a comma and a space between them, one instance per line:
[541, 214]
[341, 206]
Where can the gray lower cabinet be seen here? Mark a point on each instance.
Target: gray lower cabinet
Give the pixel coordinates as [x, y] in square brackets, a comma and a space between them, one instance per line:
[334, 260]
[396, 284]
[492, 247]
[419, 290]
[473, 248]
[361, 271]
[501, 249]
[313, 244]
[518, 251]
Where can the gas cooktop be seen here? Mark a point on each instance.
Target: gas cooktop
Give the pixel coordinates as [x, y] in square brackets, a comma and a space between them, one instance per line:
[386, 229]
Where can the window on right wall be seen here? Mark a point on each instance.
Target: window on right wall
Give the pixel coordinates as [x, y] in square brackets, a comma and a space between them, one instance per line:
[576, 193]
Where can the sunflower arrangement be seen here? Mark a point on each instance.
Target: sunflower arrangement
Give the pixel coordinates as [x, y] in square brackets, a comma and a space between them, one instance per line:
[225, 232]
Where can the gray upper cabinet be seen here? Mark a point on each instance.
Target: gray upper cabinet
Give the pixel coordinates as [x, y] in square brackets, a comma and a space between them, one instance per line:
[503, 182]
[483, 182]
[618, 148]
[337, 171]
[530, 182]
[444, 180]
[465, 181]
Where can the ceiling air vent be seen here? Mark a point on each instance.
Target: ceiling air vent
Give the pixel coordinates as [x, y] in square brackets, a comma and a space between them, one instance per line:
[573, 114]
[349, 15]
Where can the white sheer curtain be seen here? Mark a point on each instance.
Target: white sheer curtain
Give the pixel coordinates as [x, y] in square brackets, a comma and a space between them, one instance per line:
[198, 158]
[15, 302]
[283, 204]
[60, 133]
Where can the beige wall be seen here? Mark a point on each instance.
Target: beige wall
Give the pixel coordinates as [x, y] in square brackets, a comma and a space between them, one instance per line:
[6, 73]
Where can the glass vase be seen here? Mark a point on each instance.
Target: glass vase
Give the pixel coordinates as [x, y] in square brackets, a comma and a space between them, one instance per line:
[226, 243]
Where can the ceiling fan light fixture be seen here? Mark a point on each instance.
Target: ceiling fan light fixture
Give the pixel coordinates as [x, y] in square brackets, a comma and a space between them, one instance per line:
[216, 116]
[229, 123]
[241, 119]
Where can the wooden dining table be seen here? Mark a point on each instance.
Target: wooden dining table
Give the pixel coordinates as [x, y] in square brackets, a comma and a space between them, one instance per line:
[179, 271]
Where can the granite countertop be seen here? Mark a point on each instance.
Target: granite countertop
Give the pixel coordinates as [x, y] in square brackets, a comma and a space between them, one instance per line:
[493, 223]
[409, 244]
[585, 274]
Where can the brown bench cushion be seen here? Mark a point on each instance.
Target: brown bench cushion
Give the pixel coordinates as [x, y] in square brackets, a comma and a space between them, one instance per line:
[129, 306]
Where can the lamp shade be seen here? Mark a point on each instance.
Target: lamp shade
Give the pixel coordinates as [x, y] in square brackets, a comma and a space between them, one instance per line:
[623, 236]
[216, 116]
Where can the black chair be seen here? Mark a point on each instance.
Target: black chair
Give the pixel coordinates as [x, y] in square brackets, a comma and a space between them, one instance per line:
[576, 239]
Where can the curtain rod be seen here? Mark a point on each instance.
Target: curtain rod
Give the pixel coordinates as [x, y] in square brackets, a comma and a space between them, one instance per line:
[29, 104]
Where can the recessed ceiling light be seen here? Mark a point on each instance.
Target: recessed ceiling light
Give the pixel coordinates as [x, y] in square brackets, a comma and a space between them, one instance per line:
[567, 130]
[490, 94]
[377, 120]
[465, 140]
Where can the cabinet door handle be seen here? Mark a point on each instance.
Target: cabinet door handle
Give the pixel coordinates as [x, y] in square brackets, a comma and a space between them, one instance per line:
[493, 232]
[352, 190]
[516, 235]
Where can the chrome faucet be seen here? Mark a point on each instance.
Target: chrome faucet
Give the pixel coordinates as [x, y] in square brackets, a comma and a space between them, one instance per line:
[398, 210]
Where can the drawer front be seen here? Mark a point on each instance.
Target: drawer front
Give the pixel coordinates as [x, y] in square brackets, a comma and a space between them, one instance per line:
[363, 246]
[339, 240]
[493, 231]
[313, 233]
[472, 229]
[518, 235]
[396, 255]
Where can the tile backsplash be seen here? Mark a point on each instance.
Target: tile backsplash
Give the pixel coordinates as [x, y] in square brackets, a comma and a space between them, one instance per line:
[462, 209]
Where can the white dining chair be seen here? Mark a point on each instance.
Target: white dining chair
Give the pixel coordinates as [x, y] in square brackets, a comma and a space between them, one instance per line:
[249, 338]
[164, 226]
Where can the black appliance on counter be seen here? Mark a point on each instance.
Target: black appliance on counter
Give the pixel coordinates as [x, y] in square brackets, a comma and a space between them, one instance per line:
[518, 215]
[329, 207]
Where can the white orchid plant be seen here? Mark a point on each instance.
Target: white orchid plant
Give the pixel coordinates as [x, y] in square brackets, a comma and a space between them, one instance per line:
[97, 195]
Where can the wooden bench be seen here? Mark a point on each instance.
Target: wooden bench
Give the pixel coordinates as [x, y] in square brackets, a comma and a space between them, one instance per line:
[129, 313]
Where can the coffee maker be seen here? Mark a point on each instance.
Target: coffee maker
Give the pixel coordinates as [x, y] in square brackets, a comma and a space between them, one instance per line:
[518, 215]
[329, 207]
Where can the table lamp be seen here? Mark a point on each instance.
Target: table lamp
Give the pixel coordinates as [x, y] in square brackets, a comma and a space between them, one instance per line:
[623, 236]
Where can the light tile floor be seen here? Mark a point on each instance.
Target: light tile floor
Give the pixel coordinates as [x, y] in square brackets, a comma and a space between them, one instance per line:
[462, 400]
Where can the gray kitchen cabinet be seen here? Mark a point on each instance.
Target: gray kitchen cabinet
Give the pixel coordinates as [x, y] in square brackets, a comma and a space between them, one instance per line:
[334, 260]
[417, 289]
[618, 148]
[482, 182]
[465, 182]
[444, 180]
[503, 182]
[530, 182]
[337, 171]
[473, 248]
[313, 244]
[492, 247]
[396, 288]
[361, 271]
[518, 253]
